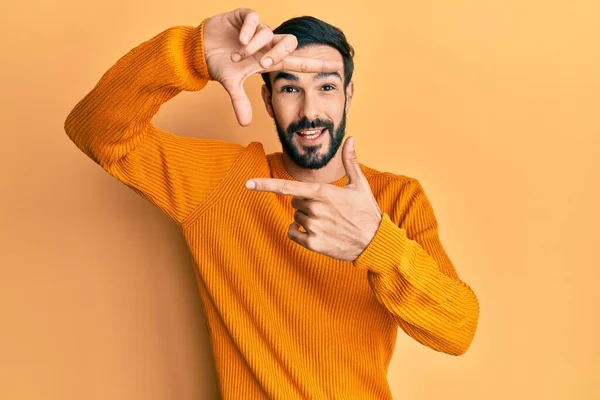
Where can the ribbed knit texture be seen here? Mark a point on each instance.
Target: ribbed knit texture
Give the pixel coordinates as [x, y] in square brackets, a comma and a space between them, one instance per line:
[285, 322]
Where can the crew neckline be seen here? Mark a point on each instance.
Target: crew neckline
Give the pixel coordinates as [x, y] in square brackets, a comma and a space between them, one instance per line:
[280, 172]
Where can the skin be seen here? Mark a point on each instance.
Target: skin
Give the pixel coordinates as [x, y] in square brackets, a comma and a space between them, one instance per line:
[338, 222]
[237, 45]
[311, 96]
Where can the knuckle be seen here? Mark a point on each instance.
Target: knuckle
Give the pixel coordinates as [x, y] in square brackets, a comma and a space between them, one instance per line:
[285, 188]
[320, 190]
[309, 228]
[315, 209]
[312, 242]
[310, 207]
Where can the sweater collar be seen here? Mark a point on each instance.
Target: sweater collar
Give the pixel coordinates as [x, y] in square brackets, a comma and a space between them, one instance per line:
[278, 170]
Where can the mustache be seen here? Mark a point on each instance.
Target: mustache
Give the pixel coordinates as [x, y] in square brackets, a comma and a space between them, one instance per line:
[305, 123]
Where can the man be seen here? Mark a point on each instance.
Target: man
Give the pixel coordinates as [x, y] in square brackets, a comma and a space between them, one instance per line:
[306, 261]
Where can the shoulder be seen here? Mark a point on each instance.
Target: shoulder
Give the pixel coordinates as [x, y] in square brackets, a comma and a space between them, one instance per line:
[382, 179]
[396, 194]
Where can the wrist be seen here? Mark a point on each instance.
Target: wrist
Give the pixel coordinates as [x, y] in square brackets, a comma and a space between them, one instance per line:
[195, 51]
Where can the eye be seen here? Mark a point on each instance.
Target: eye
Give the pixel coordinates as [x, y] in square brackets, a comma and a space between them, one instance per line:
[328, 88]
[288, 89]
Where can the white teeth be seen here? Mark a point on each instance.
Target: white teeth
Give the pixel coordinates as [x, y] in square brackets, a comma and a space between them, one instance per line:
[312, 134]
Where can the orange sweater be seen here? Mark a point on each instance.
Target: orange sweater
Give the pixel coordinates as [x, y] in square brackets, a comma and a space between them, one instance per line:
[285, 322]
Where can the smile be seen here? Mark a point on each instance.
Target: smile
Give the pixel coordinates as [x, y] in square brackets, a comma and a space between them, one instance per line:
[311, 134]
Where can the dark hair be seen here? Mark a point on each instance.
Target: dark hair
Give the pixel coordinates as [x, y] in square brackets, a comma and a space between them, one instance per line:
[312, 31]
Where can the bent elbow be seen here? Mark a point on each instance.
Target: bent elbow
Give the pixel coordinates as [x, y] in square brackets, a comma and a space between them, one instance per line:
[464, 334]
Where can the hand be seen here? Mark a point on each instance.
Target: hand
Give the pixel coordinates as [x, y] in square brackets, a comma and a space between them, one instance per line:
[240, 33]
[339, 222]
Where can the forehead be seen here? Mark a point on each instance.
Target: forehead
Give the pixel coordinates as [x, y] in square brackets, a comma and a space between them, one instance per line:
[320, 52]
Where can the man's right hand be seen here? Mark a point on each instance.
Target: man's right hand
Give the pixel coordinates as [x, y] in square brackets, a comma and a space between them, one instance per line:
[237, 45]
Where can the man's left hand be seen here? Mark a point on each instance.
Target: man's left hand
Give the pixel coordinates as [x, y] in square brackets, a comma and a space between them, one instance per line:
[339, 221]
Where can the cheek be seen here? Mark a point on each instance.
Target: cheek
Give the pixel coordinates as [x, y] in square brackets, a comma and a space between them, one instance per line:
[335, 111]
[285, 111]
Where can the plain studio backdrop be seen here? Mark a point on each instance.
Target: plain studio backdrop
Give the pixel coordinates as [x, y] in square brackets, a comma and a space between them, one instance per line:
[494, 106]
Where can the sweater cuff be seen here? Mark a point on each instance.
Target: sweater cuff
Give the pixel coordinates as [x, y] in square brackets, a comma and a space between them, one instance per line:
[194, 49]
[386, 249]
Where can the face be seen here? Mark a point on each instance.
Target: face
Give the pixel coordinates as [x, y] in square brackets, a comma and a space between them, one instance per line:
[309, 110]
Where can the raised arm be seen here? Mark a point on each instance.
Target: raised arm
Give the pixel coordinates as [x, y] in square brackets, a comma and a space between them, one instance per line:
[112, 124]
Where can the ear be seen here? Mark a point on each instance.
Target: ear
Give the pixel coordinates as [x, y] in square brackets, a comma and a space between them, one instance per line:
[266, 96]
[349, 94]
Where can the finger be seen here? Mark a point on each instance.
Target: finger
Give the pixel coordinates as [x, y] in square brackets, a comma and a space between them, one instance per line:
[300, 204]
[283, 45]
[239, 100]
[297, 235]
[303, 221]
[261, 38]
[351, 164]
[251, 20]
[286, 187]
[302, 64]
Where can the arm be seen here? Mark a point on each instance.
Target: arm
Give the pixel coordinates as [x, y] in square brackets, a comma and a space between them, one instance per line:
[412, 276]
[112, 124]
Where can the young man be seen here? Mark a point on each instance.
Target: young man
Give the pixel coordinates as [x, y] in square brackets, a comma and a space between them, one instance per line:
[305, 275]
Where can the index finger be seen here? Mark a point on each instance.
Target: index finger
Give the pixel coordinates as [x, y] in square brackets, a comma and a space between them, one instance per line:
[303, 64]
[250, 20]
[285, 187]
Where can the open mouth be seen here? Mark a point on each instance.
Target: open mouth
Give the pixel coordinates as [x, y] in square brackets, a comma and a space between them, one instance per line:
[311, 135]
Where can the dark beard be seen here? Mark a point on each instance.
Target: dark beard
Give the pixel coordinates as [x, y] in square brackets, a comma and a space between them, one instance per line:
[312, 158]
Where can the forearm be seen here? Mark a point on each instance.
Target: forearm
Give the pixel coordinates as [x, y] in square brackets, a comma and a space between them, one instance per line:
[435, 309]
[113, 118]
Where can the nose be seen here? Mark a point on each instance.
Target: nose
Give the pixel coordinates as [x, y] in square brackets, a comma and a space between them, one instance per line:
[310, 107]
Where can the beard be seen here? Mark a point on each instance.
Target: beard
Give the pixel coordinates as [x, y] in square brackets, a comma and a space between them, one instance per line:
[312, 157]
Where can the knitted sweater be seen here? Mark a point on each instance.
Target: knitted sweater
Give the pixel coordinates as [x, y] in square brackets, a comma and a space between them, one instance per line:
[284, 322]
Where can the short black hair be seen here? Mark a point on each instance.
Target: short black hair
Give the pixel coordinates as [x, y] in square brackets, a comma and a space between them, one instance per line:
[312, 31]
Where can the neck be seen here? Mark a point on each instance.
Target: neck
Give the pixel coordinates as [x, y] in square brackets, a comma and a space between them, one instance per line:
[332, 172]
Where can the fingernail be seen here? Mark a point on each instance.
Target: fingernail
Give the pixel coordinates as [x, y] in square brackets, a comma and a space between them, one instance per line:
[267, 62]
[351, 143]
[235, 57]
[250, 185]
[244, 39]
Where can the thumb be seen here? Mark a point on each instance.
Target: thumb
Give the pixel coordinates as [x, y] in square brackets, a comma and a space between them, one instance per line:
[351, 165]
[239, 100]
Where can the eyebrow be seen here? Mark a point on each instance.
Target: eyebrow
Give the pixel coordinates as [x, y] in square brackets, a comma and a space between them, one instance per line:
[291, 77]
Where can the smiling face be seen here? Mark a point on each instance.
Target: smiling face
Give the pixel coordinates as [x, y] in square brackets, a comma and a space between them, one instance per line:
[309, 109]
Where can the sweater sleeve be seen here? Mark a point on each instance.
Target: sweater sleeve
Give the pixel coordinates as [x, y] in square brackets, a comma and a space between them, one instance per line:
[412, 276]
[112, 124]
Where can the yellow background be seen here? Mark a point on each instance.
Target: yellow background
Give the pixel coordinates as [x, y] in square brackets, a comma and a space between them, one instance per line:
[493, 105]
